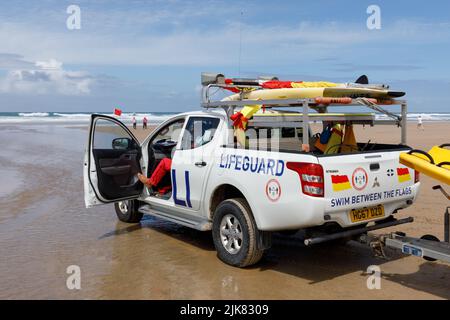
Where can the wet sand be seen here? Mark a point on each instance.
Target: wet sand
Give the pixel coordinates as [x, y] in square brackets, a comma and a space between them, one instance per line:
[44, 228]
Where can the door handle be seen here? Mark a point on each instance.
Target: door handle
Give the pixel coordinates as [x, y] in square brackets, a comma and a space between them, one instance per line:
[200, 164]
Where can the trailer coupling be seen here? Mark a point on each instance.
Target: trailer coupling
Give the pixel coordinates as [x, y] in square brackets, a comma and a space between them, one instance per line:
[355, 232]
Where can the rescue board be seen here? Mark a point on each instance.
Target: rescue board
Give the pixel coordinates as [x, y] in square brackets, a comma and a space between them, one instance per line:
[312, 89]
[434, 163]
[314, 92]
[275, 83]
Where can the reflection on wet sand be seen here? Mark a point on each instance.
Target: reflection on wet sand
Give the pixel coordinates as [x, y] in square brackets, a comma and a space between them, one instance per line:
[44, 228]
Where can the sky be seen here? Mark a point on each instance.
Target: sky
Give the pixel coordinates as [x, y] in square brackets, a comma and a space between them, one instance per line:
[148, 55]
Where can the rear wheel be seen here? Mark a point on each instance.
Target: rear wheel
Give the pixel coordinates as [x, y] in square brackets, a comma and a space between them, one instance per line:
[127, 211]
[235, 234]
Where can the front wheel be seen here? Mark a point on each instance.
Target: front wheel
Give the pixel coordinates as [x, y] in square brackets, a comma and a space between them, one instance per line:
[127, 211]
[235, 234]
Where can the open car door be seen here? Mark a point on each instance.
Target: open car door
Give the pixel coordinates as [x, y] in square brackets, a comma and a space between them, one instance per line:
[112, 160]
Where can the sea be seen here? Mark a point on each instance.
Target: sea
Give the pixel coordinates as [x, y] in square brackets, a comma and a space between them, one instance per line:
[77, 118]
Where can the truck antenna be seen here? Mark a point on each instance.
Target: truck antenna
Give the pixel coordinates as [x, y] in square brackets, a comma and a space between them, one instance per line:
[240, 44]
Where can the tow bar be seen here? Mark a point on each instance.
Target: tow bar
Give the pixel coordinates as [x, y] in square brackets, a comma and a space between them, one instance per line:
[355, 232]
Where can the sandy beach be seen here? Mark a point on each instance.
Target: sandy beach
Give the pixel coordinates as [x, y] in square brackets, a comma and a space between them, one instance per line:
[44, 228]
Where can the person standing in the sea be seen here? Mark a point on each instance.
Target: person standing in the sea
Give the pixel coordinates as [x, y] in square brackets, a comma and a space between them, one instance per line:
[133, 121]
[420, 123]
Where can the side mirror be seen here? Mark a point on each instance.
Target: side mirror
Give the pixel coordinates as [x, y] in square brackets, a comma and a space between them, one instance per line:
[122, 144]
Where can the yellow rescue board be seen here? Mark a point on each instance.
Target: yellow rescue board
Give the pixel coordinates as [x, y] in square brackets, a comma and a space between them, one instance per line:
[287, 93]
[310, 93]
[422, 164]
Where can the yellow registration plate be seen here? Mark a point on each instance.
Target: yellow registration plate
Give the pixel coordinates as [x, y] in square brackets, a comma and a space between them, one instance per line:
[357, 215]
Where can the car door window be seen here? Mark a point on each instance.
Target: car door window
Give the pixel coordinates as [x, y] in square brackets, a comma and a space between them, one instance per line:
[164, 142]
[170, 132]
[109, 136]
[199, 131]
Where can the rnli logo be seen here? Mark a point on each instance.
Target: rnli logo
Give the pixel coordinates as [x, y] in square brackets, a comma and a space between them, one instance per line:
[359, 179]
[273, 190]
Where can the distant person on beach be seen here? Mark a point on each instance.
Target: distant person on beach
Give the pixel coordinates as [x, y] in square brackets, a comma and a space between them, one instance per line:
[420, 123]
[133, 121]
[144, 123]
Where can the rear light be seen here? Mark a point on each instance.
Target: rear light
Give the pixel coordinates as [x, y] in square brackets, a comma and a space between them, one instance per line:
[311, 177]
[416, 176]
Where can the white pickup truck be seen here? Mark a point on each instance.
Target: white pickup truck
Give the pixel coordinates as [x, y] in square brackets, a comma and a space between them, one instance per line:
[244, 194]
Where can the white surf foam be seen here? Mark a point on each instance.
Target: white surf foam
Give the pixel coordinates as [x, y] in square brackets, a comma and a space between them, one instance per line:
[425, 116]
[34, 114]
[77, 118]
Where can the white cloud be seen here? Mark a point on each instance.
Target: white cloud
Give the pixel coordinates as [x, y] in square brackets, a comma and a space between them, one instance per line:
[192, 47]
[47, 77]
[193, 33]
[218, 44]
[51, 64]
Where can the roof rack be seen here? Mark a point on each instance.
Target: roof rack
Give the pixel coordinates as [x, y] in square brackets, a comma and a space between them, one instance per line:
[290, 119]
[306, 104]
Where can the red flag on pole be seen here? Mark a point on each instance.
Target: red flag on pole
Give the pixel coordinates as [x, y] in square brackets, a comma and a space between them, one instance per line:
[117, 112]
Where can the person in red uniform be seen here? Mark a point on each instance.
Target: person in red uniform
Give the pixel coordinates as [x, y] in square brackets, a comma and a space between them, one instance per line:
[165, 164]
[161, 170]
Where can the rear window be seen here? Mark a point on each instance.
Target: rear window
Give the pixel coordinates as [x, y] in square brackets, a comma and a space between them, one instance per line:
[273, 139]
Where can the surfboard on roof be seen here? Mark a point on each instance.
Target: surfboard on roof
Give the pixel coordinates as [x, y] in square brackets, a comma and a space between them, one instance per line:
[276, 89]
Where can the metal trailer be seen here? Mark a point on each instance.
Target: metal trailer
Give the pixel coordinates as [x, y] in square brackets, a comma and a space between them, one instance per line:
[428, 246]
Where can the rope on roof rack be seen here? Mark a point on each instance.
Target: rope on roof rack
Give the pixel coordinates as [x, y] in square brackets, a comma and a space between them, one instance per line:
[372, 105]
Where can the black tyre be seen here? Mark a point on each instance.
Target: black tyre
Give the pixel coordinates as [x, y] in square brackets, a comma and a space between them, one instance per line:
[235, 234]
[127, 211]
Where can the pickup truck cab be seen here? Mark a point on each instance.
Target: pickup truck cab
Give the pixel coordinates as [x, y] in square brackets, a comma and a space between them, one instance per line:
[243, 194]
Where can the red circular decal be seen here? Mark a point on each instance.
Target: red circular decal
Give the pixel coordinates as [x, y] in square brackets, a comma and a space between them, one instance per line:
[359, 179]
[273, 190]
